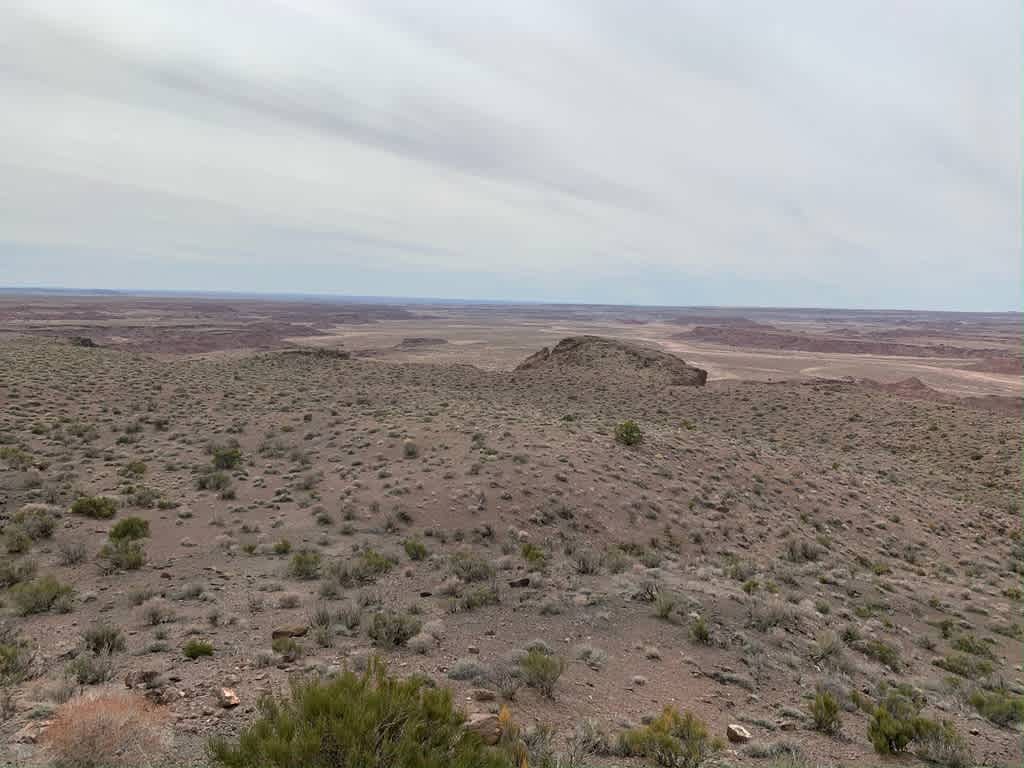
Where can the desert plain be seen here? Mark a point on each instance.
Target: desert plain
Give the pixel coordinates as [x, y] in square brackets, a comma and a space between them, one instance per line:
[304, 483]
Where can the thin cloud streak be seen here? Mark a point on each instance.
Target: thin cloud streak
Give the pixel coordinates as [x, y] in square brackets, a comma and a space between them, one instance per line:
[671, 153]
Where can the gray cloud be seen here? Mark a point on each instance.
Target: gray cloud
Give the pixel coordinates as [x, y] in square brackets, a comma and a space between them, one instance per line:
[865, 153]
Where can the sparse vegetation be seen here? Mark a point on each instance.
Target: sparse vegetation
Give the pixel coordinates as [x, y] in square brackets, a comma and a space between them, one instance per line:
[672, 740]
[628, 433]
[373, 720]
[98, 507]
[541, 670]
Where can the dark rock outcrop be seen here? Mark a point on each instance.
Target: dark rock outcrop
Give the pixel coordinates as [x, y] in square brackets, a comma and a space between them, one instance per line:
[603, 354]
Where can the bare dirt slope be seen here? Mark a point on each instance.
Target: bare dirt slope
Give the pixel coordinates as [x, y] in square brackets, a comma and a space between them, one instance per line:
[762, 542]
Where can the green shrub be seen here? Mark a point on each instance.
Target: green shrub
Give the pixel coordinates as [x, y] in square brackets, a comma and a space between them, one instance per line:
[91, 668]
[825, 713]
[475, 597]
[282, 547]
[415, 549]
[16, 657]
[287, 647]
[369, 566]
[358, 721]
[99, 507]
[998, 706]
[16, 540]
[39, 595]
[194, 648]
[968, 643]
[541, 670]
[628, 433]
[940, 744]
[211, 480]
[129, 529]
[37, 520]
[304, 565]
[12, 572]
[971, 667]
[884, 653]
[533, 555]
[672, 740]
[390, 628]
[102, 638]
[895, 722]
[122, 555]
[15, 458]
[700, 632]
[135, 468]
[470, 567]
[226, 456]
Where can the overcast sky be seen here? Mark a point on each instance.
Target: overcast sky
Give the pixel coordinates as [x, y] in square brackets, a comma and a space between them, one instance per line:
[792, 152]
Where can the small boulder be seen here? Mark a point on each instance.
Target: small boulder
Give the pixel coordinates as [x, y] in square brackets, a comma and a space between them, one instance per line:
[227, 698]
[293, 631]
[486, 726]
[737, 734]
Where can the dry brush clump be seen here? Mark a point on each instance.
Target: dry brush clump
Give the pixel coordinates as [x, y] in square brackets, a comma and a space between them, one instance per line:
[108, 730]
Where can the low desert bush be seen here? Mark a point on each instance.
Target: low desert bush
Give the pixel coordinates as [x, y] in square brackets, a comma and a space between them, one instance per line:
[194, 649]
[998, 706]
[700, 631]
[103, 638]
[672, 740]
[225, 456]
[72, 552]
[368, 567]
[114, 730]
[965, 665]
[628, 433]
[475, 597]
[896, 725]
[389, 629]
[470, 567]
[99, 507]
[370, 721]
[287, 648]
[541, 671]
[91, 668]
[39, 595]
[415, 549]
[122, 555]
[37, 520]
[939, 743]
[15, 572]
[884, 653]
[16, 657]
[825, 713]
[304, 565]
[129, 529]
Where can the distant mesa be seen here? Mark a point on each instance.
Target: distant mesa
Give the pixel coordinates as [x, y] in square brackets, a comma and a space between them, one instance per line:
[418, 342]
[613, 356]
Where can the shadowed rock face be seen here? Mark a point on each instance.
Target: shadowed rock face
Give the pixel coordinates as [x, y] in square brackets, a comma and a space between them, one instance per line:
[600, 353]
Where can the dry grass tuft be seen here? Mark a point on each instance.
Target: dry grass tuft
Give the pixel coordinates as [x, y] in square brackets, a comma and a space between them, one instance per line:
[108, 731]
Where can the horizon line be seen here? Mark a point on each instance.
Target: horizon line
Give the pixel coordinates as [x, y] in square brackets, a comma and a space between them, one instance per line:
[39, 290]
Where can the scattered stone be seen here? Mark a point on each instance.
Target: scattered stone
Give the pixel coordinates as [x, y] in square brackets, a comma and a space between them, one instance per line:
[486, 726]
[32, 732]
[293, 631]
[737, 734]
[227, 698]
